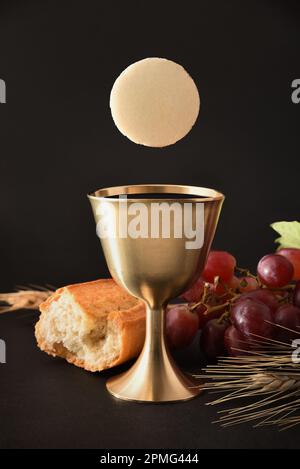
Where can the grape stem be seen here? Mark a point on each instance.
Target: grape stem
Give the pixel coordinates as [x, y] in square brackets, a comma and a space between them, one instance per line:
[212, 309]
[225, 315]
[246, 272]
[217, 281]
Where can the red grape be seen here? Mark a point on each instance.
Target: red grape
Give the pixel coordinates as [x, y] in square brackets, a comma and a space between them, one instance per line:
[212, 338]
[233, 340]
[288, 316]
[194, 294]
[275, 270]
[250, 318]
[204, 318]
[234, 283]
[221, 264]
[296, 296]
[181, 326]
[218, 289]
[293, 255]
[264, 296]
[247, 284]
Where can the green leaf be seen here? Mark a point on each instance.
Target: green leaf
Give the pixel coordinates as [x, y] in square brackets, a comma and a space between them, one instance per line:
[289, 234]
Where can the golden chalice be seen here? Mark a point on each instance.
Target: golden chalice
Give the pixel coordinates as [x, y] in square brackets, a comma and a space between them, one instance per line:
[155, 240]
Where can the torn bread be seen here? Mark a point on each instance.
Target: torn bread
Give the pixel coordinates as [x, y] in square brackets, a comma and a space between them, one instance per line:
[94, 325]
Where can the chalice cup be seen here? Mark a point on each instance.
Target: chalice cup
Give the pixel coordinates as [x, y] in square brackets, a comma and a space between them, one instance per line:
[155, 239]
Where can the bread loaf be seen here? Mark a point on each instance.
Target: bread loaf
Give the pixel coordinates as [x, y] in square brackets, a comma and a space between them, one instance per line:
[94, 325]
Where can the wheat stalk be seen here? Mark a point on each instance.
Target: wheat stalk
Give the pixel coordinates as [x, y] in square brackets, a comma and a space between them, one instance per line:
[267, 375]
[24, 298]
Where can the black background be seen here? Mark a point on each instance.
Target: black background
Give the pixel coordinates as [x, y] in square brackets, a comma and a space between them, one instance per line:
[58, 141]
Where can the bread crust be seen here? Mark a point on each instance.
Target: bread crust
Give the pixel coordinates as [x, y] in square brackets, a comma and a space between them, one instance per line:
[101, 298]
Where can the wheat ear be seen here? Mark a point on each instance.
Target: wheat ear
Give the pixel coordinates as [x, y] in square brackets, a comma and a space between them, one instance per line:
[267, 375]
[24, 298]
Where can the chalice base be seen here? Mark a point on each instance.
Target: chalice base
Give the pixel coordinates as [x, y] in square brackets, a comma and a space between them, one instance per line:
[153, 381]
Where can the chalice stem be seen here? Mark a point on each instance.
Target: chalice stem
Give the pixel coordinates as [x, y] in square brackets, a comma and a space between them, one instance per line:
[155, 347]
[155, 376]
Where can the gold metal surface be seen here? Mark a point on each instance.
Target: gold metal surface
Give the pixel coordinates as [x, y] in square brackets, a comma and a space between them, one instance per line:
[155, 270]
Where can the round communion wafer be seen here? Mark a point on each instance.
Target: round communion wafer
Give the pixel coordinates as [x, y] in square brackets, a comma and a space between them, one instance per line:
[154, 102]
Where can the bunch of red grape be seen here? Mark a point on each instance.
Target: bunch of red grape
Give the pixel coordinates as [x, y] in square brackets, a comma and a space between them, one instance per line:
[235, 311]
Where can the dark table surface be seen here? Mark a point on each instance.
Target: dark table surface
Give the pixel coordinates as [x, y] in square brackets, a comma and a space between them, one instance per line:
[47, 403]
